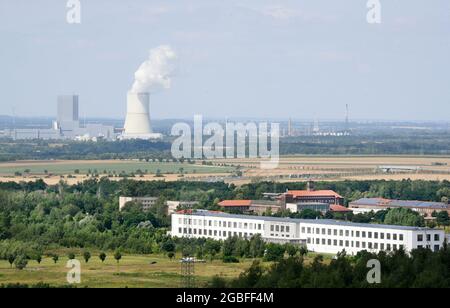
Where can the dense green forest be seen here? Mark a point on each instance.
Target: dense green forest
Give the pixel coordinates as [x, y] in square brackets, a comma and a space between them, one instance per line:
[421, 269]
[425, 142]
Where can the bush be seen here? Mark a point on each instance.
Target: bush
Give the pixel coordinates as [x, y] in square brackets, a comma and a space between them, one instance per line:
[230, 259]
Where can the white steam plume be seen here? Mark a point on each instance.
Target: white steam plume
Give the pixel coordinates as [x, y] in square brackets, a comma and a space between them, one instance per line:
[156, 72]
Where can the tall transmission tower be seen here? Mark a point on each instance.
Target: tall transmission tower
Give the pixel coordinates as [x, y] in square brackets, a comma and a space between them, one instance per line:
[187, 260]
[347, 118]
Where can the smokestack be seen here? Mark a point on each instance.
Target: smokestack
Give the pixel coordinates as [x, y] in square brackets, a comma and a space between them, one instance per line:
[137, 122]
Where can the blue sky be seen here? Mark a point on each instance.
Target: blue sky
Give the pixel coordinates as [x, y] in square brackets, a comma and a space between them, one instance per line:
[254, 58]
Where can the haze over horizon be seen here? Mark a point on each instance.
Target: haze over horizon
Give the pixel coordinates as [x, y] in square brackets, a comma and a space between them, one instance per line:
[257, 59]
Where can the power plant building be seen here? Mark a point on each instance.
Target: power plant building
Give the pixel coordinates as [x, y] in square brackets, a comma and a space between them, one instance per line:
[137, 122]
[66, 126]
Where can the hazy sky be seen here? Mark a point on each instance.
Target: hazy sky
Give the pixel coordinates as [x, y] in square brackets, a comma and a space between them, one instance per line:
[255, 58]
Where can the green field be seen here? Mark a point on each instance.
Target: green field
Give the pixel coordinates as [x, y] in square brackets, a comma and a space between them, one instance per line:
[132, 271]
[68, 167]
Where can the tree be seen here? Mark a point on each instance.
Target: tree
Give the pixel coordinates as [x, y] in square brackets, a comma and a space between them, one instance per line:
[102, 256]
[303, 250]
[257, 246]
[442, 218]
[274, 252]
[55, 258]
[291, 250]
[39, 258]
[11, 258]
[21, 262]
[404, 217]
[171, 255]
[71, 256]
[86, 256]
[117, 256]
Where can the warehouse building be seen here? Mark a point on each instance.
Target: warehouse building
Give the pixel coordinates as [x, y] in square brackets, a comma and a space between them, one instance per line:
[322, 236]
[378, 204]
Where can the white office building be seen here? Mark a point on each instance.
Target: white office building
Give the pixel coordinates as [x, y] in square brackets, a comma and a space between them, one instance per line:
[323, 236]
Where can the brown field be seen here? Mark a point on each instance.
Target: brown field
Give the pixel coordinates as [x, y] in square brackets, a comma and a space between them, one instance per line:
[290, 169]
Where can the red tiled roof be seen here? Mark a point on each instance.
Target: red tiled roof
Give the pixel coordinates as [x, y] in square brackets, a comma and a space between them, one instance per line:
[339, 208]
[236, 203]
[313, 193]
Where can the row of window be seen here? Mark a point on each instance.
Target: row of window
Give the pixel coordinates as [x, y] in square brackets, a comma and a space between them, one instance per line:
[221, 224]
[428, 236]
[354, 244]
[353, 233]
[215, 233]
[279, 228]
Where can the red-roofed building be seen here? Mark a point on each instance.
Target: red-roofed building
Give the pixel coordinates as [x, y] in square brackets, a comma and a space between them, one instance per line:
[239, 205]
[339, 209]
[319, 196]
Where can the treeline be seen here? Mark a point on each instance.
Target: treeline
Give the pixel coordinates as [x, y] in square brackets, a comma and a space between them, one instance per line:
[72, 150]
[410, 143]
[420, 269]
[87, 214]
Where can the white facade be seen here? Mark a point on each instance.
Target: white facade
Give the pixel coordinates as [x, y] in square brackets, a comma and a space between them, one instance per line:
[147, 202]
[323, 236]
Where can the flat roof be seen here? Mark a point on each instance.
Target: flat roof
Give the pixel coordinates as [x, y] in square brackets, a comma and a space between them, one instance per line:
[309, 221]
[400, 203]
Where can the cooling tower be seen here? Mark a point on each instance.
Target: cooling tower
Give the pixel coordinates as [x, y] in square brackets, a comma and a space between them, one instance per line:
[137, 122]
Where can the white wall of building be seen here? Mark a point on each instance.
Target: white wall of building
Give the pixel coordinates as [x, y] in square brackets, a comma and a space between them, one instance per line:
[323, 236]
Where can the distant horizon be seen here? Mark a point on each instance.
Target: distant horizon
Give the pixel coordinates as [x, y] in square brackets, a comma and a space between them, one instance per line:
[241, 118]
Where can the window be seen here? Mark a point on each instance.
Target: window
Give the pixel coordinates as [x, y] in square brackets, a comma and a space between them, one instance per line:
[235, 225]
[347, 243]
[428, 237]
[363, 245]
[317, 231]
[401, 237]
[303, 229]
[375, 235]
[357, 244]
[341, 233]
[329, 242]
[436, 247]
[370, 234]
[309, 230]
[375, 245]
[347, 233]
[277, 228]
[382, 236]
[288, 229]
[323, 241]
[436, 237]
[335, 242]
[363, 234]
[394, 236]
[420, 237]
[323, 231]
[395, 246]
[388, 236]
[357, 233]
[370, 245]
[382, 246]
[282, 228]
[329, 231]
[317, 241]
[388, 247]
[271, 228]
[341, 243]
[179, 230]
[334, 232]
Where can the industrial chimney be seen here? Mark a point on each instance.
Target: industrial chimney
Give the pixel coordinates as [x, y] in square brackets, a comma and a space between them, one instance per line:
[137, 122]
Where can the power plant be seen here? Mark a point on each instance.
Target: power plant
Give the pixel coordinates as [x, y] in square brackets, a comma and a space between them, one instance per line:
[137, 121]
